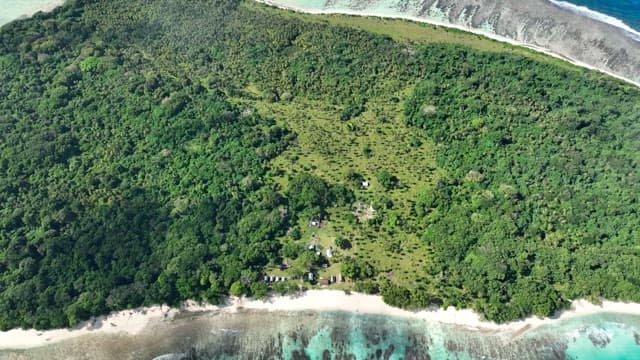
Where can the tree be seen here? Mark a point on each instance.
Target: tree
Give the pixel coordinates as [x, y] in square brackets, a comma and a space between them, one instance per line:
[342, 243]
[367, 286]
[307, 191]
[395, 295]
[238, 289]
[259, 290]
[356, 268]
[292, 250]
[387, 180]
[308, 260]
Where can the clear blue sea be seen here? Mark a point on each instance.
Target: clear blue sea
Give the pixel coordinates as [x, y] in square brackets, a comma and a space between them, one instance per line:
[626, 10]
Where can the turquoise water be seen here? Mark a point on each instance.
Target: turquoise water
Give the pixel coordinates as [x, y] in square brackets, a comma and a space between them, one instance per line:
[345, 335]
[355, 336]
[620, 344]
[600, 337]
[351, 336]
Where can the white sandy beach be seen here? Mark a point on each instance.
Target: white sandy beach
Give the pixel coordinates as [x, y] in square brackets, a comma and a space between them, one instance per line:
[128, 321]
[448, 25]
[136, 321]
[331, 300]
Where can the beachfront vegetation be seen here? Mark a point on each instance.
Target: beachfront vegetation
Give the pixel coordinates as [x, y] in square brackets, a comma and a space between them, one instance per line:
[161, 151]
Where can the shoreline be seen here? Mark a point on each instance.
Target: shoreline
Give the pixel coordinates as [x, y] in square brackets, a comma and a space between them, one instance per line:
[46, 7]
[137, 321]
[32, 10]
[466, 29]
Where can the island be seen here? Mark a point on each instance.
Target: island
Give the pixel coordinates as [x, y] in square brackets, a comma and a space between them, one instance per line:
[158, 152]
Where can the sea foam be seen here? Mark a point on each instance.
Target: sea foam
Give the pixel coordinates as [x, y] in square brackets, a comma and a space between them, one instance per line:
[585, 11]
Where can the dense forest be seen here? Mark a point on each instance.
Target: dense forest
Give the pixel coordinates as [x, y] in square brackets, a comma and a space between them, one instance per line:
[136, 165]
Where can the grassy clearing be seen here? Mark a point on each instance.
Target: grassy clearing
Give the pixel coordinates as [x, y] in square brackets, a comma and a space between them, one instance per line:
[330, 148]
[376, 140]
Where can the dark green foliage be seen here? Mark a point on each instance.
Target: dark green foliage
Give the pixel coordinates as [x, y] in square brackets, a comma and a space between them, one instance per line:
[307, 191]
[238, 289]
[295, 233]
[343, 243]
[310, 195]
[366, 151]
[123, 184]
[413, 298]
[396, 295]
[292, 250]
[541, 180]
[351, 110]
[367, 287]
[308, 260]
[356, 269]
[387, 180]
[129, 174]
[284, 288]
[354, 178]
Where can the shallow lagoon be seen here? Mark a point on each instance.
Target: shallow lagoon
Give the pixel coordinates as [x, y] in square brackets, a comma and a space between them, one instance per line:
[348, 335]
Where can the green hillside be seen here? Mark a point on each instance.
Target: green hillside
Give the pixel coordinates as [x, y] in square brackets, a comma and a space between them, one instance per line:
[157, 151]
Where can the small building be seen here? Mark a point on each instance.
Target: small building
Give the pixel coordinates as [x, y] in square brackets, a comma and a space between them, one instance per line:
[266, 278]
[325, 265]
[323, 282]
[311, 247]
[340, 278]
[365, 184]
[333, 279]
[272, 278]
[329, 252]
[314, 223]
[310, 276]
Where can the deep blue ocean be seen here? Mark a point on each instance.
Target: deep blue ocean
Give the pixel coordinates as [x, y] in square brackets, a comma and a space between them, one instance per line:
[626, 10]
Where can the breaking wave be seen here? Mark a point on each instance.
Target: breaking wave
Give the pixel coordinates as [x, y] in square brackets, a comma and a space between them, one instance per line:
[585, 11]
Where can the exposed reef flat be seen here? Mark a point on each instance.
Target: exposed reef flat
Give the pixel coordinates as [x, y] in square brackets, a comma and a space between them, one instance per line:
[149, 324]
[310, 331]
[539, 24]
